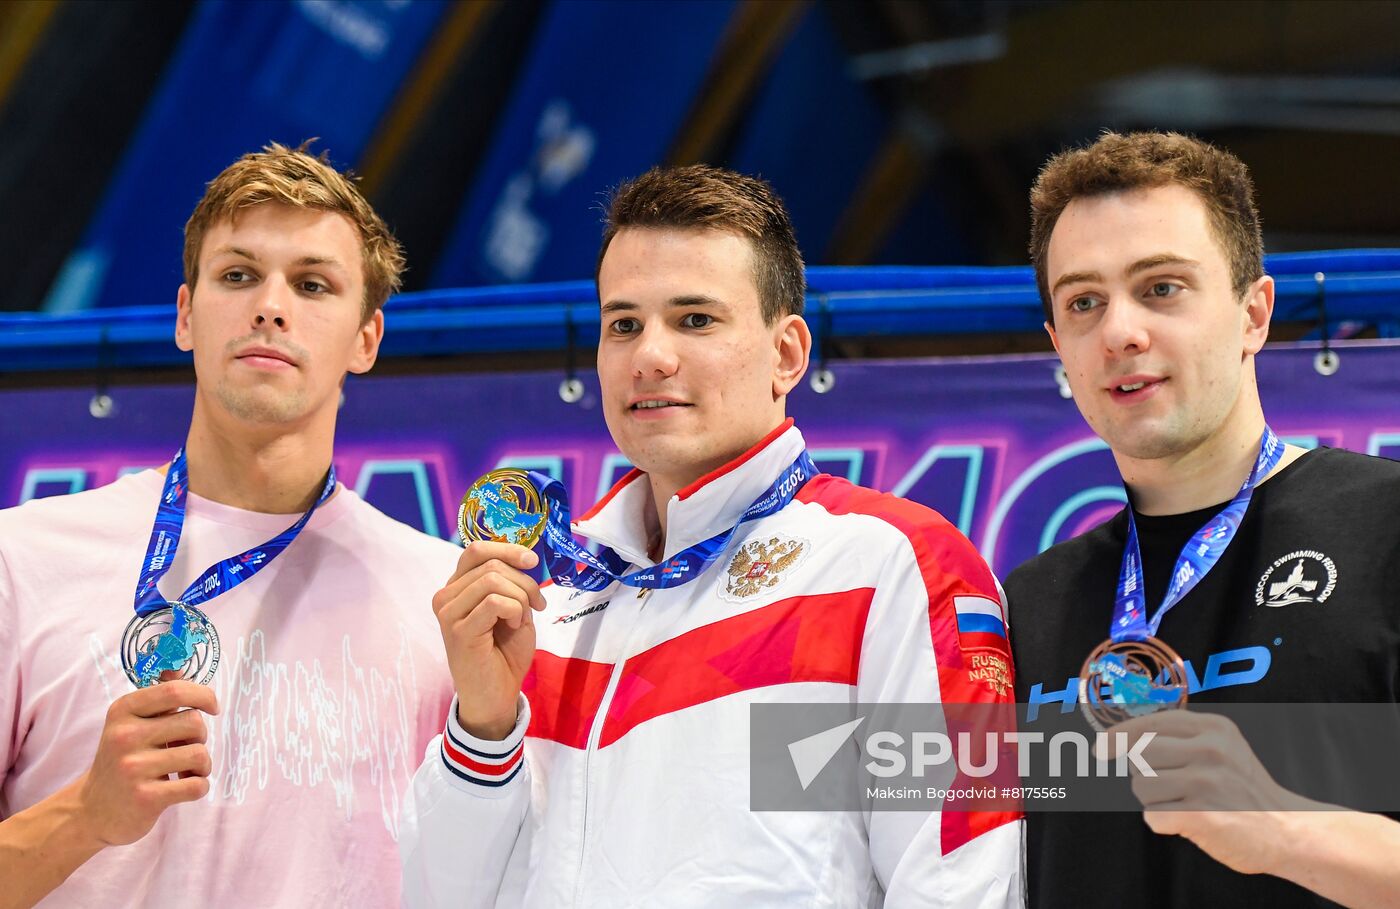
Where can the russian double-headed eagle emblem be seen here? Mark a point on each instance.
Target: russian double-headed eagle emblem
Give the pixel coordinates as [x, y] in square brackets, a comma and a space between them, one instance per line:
[760, 565]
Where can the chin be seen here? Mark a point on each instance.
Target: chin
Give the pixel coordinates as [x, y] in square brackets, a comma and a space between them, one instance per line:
[259, 406]
[1149, 444]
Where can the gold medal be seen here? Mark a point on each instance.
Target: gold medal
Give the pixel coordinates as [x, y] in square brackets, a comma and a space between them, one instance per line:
[503, 507]
[1125, 679]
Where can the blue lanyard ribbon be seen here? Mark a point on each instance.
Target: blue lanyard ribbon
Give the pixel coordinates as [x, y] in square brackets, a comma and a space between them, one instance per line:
[1199, 556]
[216, 579]
[571, 565]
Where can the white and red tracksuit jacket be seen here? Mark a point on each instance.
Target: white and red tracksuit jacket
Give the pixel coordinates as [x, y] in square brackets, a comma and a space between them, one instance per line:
[626, 779]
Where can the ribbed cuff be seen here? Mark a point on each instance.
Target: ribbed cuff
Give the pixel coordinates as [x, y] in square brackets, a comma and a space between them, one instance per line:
[483, 762]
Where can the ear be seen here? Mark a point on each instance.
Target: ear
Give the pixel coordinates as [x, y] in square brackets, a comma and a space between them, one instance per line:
[1258, 310]
[184, 333]
[367, 341]
[1054, 338]
[792, 341]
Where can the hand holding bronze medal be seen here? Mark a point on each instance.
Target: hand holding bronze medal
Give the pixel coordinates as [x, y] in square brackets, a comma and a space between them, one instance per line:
[177, 636]
[1134, 673]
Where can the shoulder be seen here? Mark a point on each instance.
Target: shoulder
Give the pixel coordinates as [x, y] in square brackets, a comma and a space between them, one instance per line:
[1063, 562]
[1331, 491]
[1342, 472]
[92, 513]
[840, 497]
[936, 543]
[390, 536]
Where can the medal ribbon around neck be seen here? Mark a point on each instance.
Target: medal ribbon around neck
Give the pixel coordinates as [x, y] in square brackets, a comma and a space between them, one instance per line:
[218, 578]
[571, 565]
[1199, 556]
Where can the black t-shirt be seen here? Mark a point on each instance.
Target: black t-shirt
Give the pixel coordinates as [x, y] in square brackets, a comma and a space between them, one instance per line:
[1303, 607]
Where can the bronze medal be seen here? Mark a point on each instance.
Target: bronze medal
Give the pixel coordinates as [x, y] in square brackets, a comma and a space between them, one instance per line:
[1125, 679]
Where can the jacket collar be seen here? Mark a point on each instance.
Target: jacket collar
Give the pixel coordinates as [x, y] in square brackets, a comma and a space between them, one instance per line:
[625, 518]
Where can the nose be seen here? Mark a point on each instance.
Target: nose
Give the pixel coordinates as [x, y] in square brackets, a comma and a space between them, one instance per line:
[654, 356]
[272, 306]
[1124, 327]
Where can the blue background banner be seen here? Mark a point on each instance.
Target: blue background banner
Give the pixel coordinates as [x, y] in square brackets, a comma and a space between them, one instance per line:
[244, 74]
[989, 442]
[593, 106]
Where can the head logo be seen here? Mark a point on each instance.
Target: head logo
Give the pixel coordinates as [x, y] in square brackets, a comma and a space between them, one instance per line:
[1305, 576]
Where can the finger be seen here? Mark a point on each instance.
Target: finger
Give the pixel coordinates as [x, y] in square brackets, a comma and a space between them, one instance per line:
[485, 586]
[1160, 790]
[1167, 822]
[478, 552]
[184, 789]
[1118, 742]
[168, 696]
[179, 727]
[472, 581]
[1172, 723]
[511, 573]
[490, 611]
[1157, 752]
[184, 760]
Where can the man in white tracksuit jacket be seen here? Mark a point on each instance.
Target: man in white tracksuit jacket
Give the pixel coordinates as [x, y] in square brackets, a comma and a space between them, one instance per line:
[597, 753]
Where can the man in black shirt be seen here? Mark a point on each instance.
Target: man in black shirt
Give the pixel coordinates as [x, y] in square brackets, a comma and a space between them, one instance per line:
[1149, 260]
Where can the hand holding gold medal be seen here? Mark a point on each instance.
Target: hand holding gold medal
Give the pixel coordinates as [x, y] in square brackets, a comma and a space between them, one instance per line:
[485, 610]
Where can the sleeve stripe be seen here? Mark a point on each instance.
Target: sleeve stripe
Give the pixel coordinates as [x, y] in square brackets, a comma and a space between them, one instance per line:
[478, 765]
[490, 757]
[480, 780]
[477, 771]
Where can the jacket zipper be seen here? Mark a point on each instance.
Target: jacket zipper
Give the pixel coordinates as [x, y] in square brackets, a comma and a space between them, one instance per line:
[596, 732]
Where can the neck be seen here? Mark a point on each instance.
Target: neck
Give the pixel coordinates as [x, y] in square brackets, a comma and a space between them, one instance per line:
[663, 489]
[267, 470]
[1188, 482]
[1208, 474]
[665, 485]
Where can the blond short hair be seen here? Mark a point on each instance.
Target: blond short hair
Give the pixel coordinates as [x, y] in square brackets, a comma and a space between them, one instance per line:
[293, 176]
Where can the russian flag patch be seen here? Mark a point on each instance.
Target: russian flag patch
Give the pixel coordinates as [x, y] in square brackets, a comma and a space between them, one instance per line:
[981, 623]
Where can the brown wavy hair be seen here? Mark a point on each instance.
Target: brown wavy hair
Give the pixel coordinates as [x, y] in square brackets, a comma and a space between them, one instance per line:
[1118, 163]
[699, 196]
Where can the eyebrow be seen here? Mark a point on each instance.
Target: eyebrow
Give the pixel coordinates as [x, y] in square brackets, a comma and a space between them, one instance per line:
[1141, 265]
[303, 261]
[687, 301]
[319, 260]
[235, 250]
